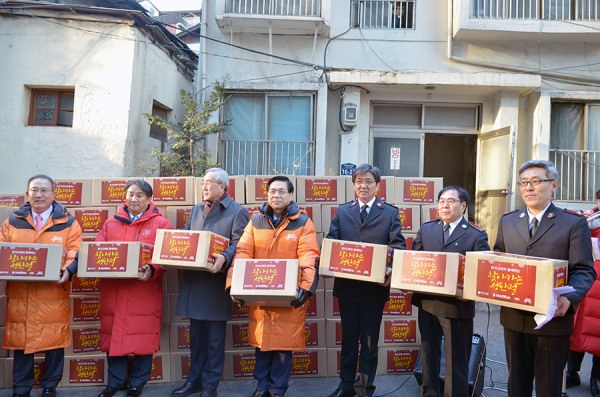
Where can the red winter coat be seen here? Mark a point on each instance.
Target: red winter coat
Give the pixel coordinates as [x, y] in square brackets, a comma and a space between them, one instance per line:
[585, 337]
[131, 310]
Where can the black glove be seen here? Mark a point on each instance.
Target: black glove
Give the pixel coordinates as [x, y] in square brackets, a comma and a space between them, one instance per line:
[302, 297]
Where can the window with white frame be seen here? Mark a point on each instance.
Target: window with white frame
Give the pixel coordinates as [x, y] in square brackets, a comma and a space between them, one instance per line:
[376, 14]
[269, 133]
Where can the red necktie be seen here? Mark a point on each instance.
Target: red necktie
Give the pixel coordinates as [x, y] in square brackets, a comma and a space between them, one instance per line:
[39, 224]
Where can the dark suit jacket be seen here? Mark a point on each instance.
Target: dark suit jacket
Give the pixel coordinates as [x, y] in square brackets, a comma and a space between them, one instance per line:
[559, 235]
[382, 226]
[202, 295]
[465, 237]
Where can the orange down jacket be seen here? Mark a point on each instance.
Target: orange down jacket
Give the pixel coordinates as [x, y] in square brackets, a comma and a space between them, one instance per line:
[39, 312]
[280, 328]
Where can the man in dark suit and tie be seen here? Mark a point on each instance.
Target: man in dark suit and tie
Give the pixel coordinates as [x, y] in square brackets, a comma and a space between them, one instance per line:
[546, 231]
[445, 315]
[361, 303]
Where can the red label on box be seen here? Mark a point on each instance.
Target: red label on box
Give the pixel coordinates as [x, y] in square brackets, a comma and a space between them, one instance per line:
[182, 216]
[240, 312]
[145, 256]
[12, 201]
[305, 363]
[309, 212]
[320, 190]
[168, 189]
[107, 257]
[461, 272]
[311, 306]
[23, 261]
[91, 221]
[265, 275]
[86, 340]
[253, 211]
[260, 189]
[333, 212]
[239, 335]
[311, 333]
[418, 191]
[113, 192]
[185, 366]
[399, 361]
[86, 309]
[338, 333]
[86, 371]
[68, 193]
[85, 284]
[39, 370]
[179, 246]
[434, 213]
[560, 277]
[409, 242]
[424, 269]
[351, 258]
[218, 244]
[381, 191]
[243, 365]
[157, 368]
[505, 281]
[399, 331]
[183, 336]
[336, 306]
[400, 304]
[231, 189]
[405, 215]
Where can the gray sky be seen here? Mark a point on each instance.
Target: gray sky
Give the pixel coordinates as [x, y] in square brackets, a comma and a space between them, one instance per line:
[172, 5]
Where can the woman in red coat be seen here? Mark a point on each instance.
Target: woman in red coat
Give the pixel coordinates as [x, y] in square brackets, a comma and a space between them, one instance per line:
[585, 337]
[131, 310]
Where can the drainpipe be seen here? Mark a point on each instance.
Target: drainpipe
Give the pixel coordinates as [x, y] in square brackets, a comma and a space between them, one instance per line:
[203, 31]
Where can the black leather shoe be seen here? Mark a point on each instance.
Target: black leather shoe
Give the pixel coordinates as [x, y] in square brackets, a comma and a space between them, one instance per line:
[24, 394]
[259, 393]
[206, 392]
[341, 393]
[573, 379]
[595, 387]
[186, 390]
[135, 391]
[278, 395]
[110, 391]
[49, 392]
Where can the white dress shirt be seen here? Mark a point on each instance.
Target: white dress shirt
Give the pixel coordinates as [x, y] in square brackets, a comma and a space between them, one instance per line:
[369, 204]
[45, 215]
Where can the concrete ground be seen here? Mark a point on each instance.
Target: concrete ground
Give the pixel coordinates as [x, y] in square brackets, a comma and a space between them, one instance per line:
[496, 375]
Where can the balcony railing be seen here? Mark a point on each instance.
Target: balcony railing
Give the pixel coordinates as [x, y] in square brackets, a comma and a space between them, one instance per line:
[375, 14]
[257, 157]
[552, 10]
[578, 172]
[290, 8]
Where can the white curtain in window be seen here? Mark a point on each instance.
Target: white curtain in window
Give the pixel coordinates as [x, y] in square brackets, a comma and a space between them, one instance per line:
[246, 114]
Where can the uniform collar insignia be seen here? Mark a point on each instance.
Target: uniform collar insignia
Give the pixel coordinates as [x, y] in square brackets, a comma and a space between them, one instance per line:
[550, 215]
[379, 204]
[354, 203]
[522, 215]
[464, 226]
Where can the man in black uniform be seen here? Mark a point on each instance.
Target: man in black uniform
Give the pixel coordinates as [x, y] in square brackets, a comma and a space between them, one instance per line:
[547, 231]
[445, 315]
[368, 220]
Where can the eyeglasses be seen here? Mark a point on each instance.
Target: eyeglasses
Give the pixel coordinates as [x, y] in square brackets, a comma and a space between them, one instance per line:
[450, 202]
[42, 191]
[279, 192]
[368, 182]
[208, 184]
[534, 182]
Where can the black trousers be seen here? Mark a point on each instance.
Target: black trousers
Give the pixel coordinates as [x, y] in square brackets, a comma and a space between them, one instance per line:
[272, 370]
[140, 371]
[23, 370]
[360, 321]
[207, 352]
[458, 334]
[535, 356]
[574, 363]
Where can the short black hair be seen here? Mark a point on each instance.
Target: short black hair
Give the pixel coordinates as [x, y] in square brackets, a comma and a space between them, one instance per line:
[363, 169]
[145, 186]
[462, 193]
[281, 178]
[598, 195]
[41, 176]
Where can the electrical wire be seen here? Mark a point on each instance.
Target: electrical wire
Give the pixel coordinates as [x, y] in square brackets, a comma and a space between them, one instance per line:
[402, 384]
[372, 50]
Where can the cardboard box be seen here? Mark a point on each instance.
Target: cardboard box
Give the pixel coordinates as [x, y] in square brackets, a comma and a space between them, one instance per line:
[354, 260]
[311, 363]
[161, 368]
[185, 249]
[109, 191]
[399, 305]
[179, 339]
[172, 190]
[409, 238]
[166, 309]
[329, 281]
[88, 238]
[334, 332]
[8, 369]
[237, 335]
[30, 262]
[92, 219]
[263, 282]
[429, 212]
[410, 215]
[314, 213]
[239, 365]
[85, 340]
[397, 360]
[113, 260]
[321, 190]
[517, 281]
[256, 188]
[327, 214]
[237, 189]
[3, 310]
[73, 192]
[180, 366]
[332, 307]
[430, 272]
[315, 333]
[85, 309]
[13, 200]
[386, 191]
[3, 378]
[165, 336]
[399, 332]
[320, 237]
[418, 190]
[81, 285]
[39, 370]
[174, 277]
[333, 361]
[315, 305]
[252, 209]
[239, 313]
[174, 318]
[3, 352]
[178, 215]
[85, 371]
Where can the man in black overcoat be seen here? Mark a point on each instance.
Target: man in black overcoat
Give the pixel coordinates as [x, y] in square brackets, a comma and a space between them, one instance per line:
[543, 230]
[369, 220]
[202, 294]
[447, 316]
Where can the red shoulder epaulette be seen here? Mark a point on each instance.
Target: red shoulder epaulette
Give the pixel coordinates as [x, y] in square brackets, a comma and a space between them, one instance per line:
[478, 228]
[572, 212]
[510, 212]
